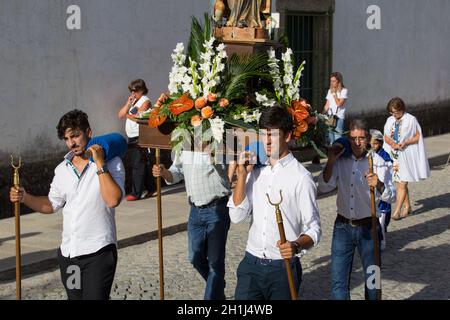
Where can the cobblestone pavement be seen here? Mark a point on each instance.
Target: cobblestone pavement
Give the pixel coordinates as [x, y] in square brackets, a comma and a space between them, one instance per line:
[416, 262]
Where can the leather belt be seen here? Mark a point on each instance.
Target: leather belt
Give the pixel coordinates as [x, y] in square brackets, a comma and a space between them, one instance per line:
[215, 202]
[354, 222]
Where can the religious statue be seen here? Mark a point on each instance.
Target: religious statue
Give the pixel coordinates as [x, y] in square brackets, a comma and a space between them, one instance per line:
[240, 13]
[244, 13]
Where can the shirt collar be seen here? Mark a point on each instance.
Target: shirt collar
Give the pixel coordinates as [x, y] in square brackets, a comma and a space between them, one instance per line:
[283, 161]
[363, 157]
[69, 156]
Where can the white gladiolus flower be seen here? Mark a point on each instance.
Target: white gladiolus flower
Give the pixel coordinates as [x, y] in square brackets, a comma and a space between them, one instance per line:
[221, 47]
[263, 100]
[179, 48]
[217, 128]
[209, 44]
[287, 79]
[258, 114]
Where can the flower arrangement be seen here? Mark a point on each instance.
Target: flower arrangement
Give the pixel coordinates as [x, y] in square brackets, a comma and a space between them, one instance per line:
[206, 90]
[309, 125]
[209, 92]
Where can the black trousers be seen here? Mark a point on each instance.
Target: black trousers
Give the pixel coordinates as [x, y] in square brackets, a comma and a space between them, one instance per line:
[140, 166]
[89, 277]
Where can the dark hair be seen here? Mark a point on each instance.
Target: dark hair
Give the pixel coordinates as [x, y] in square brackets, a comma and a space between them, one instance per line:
[397, 104]
[138, 85]
[75, 119]
[359, 124]
[338, 77]
[276, 118]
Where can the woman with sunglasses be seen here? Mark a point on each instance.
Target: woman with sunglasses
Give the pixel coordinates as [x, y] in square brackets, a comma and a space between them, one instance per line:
[137, 103]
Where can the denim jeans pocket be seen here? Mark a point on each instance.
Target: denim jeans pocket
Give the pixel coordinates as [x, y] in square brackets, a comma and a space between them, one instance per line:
[339, 225]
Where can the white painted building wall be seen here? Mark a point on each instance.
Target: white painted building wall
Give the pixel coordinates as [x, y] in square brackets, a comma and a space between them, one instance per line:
[409, 57]
[47, 70]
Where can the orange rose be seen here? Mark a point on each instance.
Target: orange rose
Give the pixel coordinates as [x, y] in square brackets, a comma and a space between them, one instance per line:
[224, 102]
[200, 103]
[207, 112]
[212, 97]
[196, 120]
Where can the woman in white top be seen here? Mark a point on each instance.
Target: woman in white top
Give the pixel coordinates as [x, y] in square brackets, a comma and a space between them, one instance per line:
[335, 106]
[136, 103]
[404, 142]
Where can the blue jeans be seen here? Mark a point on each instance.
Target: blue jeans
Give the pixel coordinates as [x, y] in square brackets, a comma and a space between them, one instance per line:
[265, 279]
[337, 132]
[345, 239]
[207, 231]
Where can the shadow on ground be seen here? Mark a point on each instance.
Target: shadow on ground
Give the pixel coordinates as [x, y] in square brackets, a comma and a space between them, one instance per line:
[427, 266]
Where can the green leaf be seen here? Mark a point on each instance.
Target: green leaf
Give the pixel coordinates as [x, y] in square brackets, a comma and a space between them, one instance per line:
[239, 123]
[298, 73]
[319, 152]
[199, 33]
[239, 70]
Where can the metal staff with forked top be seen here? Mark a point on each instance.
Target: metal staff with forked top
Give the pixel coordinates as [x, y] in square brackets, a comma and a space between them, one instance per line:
[16, 182]
[374, 224]
[287, 262]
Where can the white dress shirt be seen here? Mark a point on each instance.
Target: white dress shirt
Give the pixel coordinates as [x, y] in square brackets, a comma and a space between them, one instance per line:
[353, 198]
[299, 207]
[88, 223]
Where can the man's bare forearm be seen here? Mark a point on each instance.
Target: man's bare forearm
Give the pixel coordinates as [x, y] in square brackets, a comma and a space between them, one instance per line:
[38, 204]
[239, 191]
[328, 171]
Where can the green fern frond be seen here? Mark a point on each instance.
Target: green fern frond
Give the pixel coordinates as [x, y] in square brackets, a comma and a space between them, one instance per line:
[199, 33]
[239, 70]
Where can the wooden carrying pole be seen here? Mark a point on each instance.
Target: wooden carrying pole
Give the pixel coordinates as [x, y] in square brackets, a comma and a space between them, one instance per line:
[16, 182]
[374, 226]
[287, 262]
[160, 239]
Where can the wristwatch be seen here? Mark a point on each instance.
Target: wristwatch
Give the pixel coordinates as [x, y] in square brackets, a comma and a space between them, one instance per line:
[298, 248]
[103, 169]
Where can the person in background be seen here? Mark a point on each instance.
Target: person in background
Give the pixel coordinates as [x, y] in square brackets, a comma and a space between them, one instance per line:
[336, 103]
[404, 142]
[136, 104]
[384, 208]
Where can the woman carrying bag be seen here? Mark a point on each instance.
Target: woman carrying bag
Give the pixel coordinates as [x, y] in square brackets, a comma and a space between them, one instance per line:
[335, 106]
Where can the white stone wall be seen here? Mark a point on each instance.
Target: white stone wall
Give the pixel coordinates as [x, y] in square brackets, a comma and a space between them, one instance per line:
[409, 57]
[47, 70]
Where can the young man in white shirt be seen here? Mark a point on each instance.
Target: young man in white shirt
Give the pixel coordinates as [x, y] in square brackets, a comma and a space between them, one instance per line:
[261, 275]
[353, 224]
[88, 192]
